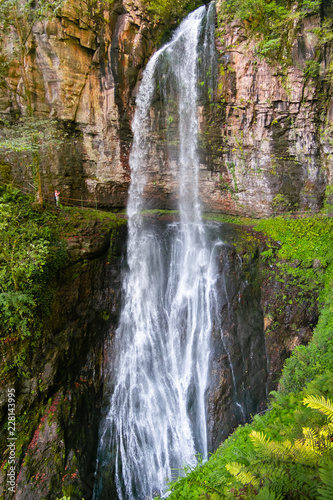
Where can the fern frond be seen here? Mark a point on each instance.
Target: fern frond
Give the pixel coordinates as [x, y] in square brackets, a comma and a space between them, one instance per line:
[310, 436]
[241, 474]
[267, 449]
[326, 431]
[326, 490]
[206, 487]
[320, 403]
[266, 494]
[305, 453]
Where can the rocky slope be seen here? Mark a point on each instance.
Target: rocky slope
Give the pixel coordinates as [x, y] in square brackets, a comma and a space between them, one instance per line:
[265, 137]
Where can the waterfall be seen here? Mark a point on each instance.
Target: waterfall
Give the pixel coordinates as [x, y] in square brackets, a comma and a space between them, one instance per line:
[156, 421]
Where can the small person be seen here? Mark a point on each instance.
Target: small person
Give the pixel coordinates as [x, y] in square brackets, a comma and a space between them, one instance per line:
[56, 195]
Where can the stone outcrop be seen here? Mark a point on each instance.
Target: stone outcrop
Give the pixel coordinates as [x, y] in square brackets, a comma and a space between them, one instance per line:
[269, 135]
[83, 67]
[239, 364]
[264, 137]
[59, 396]
[264, 133]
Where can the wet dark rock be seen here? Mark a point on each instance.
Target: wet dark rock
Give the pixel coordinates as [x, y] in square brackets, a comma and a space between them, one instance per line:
[59, 405]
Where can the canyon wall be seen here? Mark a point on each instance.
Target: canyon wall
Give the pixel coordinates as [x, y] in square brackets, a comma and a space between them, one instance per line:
[265, 134]
[60, 383]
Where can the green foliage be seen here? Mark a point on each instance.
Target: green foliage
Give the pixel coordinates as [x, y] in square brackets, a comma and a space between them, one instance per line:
[321, 404]
[164, 10]
[280, 203]
[305, 257]
[305, 260]
[30, 134]
[274, 24]
[289, 467]
[30, 254]
[35, 136]
[271, 458]
[312, 69]
[288, 451]
[316, 359]
[303, 239]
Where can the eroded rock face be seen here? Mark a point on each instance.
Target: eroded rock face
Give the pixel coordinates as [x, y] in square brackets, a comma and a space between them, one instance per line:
[58, 404]
[269, 141]
[239, 363]
[83, 68]
[264, 137]
[264, 134]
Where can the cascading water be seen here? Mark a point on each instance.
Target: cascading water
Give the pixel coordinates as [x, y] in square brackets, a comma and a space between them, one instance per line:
[156, 421]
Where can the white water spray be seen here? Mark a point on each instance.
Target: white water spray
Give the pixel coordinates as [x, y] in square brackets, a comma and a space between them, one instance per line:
[156, 423]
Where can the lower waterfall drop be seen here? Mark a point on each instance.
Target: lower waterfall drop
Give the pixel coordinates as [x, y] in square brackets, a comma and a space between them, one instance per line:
[156, 422]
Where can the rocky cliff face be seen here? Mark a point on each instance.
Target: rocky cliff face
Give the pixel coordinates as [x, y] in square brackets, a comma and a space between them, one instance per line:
[59, 399]
[265, 135]
[83, 68]
[59, 396]
[269, 136]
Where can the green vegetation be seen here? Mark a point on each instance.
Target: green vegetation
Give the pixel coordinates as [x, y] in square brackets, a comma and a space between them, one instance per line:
[305, 258]
[274, 24]
[287, 452]
[17, 19]
[231, 219]
[33, 250]
[26, 141]
[165, 10]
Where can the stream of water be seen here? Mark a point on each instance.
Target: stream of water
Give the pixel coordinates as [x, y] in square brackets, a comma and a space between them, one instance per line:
[156, 422]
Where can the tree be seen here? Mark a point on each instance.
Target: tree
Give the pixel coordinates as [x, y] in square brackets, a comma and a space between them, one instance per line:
[34, 137]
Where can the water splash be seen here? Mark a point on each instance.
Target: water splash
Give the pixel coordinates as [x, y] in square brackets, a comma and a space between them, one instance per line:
[156, 423]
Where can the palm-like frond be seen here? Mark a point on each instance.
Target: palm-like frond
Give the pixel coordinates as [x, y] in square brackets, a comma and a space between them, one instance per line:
[320, 403]
[326, 434]
[307, 453]
[266, 494]
[325, 491]
[266, 448]
[240, 472]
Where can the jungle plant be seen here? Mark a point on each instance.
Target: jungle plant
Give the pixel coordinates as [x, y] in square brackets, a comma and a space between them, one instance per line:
[30, 252]
[27, 140]
[166, 9]
[300, 468]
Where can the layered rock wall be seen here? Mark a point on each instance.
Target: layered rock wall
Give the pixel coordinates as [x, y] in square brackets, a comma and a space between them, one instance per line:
[83, 67]
[265, 136]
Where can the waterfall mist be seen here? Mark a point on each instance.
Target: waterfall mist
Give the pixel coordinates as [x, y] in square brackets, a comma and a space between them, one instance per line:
[156, 422]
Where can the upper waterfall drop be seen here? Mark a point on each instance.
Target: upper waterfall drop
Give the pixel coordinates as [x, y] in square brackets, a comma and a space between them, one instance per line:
[156, 421]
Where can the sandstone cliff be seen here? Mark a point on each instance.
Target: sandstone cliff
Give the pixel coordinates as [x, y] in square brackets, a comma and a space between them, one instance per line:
[265, 136]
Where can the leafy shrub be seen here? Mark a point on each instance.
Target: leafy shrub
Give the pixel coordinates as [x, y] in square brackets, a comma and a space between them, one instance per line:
[316, 359]
[30, 255]
[165, 10]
